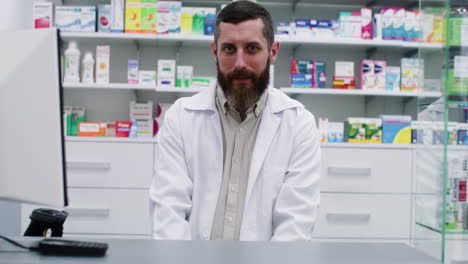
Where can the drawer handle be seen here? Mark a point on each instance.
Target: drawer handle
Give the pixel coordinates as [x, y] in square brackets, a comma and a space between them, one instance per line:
[349, 171]
[75, 211]
[349, 216]
[93, 165]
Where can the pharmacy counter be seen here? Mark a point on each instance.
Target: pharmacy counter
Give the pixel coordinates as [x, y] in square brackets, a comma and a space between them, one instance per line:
[231, 252]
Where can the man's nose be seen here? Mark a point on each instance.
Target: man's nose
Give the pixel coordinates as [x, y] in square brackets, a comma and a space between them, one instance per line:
[240, 60]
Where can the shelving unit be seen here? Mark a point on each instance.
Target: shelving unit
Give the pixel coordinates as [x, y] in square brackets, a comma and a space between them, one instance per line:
[109, 86]
[381, 182]
[440, 171]
[125, 86]
[359, 92]
[110, 139]
[283, 39]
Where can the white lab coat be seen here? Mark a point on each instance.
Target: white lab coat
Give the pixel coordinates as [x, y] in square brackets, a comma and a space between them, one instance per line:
[283, 193]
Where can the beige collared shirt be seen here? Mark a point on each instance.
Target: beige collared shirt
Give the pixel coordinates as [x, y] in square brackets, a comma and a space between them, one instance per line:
[238, 144]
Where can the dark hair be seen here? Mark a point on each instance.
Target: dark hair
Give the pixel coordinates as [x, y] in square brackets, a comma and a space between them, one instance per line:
[240, 11]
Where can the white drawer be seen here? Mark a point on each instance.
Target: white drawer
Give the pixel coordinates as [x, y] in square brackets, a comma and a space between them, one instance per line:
[103, 212]
[366, 170]
[364, 216]
[115, 165]
[107, 211]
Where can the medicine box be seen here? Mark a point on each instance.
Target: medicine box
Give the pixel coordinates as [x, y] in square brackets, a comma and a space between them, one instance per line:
[122, 128]
[68, 18]
[141, 110]
[43, 14]
[104, 18]
[147, 78]
[399, 23]
[412, 73]
[373, 130]
[169, 13]
[149, 11]
[145, 127]
[344, 68]
[117, 16]
[166, 73]
[380, 69]
[210, 21]
[198, 21]
[133, 16]
[335, 132]
[186, 20]
[285, 28]
[132, 72]
[340, 82]
[367, 74]
[88, 19]
[387, 16]
[102, 64]
[301, 73]
[78, 115]
[363, 130]
[366, 23]
[354, 129]
[392, 80]
[396, 129]
[184, 76]
[323, 128]
[303, 27]
[319, 73]
[92, 129]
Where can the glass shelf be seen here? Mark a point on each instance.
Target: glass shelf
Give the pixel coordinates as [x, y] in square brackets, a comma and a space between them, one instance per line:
[439, 230]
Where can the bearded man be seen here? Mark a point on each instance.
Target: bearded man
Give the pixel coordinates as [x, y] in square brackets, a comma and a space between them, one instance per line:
[240, 161]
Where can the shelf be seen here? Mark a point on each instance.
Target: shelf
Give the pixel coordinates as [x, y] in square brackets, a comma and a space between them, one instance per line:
[367, 145]
[283, 39]
[359, 92]
[179, 90]
[110, 139]
[154, 140]
[125, 86]
[169, 39]
[438, 230]
[111, 86]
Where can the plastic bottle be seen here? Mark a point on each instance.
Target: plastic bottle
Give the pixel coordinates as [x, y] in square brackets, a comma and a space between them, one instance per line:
[87, 68]
[72, 63]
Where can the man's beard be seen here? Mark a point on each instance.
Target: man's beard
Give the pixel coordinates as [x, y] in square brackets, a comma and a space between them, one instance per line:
[244, 95]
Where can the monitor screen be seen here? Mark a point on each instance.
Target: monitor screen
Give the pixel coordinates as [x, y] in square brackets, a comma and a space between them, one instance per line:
[32, 158]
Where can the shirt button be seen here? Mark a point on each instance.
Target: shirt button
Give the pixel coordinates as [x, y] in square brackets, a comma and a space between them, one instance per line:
[235, 161]
[233, 189]
[229, 219]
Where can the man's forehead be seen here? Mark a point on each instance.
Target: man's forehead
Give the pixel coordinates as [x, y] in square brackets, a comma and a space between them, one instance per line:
[248, 31]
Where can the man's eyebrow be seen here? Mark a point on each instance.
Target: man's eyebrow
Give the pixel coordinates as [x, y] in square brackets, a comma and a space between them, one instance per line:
[246, 44]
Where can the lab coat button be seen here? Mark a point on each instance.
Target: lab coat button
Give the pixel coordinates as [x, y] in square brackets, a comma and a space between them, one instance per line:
[229, 219]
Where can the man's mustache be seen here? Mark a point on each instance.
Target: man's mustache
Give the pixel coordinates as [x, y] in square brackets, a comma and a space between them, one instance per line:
[241, 74]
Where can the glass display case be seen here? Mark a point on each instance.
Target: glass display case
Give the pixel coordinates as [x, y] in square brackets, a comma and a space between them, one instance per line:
[440, 137]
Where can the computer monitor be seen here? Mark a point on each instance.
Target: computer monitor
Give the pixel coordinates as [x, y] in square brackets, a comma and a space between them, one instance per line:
[32, 157]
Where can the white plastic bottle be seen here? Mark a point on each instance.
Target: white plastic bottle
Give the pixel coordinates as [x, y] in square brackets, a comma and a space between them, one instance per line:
[87, 68]
[72, 63]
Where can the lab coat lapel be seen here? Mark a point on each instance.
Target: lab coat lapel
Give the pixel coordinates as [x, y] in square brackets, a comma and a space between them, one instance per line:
[266, 132]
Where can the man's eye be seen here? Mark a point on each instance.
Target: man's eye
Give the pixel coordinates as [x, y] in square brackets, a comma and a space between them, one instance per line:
[252, 49]
[228, 49]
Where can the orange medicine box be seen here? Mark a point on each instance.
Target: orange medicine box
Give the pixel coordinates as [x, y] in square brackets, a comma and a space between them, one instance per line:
[92, 129]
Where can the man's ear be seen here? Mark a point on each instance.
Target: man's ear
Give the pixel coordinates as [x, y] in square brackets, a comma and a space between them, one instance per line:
[214, 50]
[275, 48]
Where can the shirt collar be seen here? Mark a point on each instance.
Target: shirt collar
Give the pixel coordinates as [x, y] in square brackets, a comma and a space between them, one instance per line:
[224, 104]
